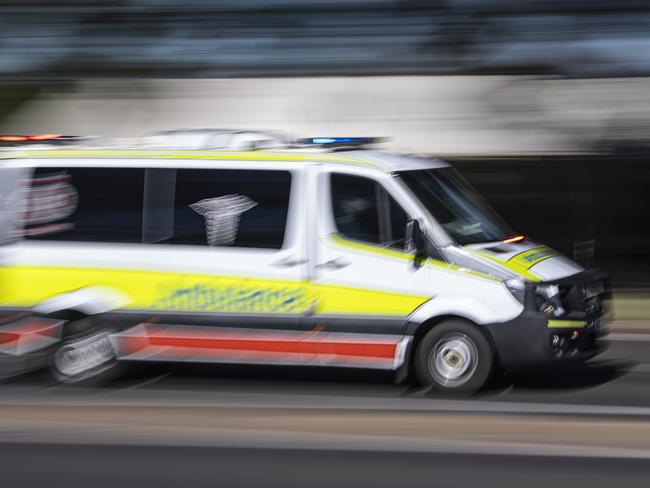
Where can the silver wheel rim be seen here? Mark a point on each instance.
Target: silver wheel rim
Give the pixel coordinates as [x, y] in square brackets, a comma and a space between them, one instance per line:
[79, 357]
[453, 360]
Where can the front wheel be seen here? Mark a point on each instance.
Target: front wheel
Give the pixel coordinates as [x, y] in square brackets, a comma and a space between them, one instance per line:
[454, 356]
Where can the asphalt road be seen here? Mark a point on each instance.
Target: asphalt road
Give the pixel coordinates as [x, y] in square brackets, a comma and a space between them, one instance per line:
[165, 424]
[110, 466]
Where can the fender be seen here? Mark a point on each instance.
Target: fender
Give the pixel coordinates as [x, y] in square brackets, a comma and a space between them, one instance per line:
[91, 300]
[468, 307]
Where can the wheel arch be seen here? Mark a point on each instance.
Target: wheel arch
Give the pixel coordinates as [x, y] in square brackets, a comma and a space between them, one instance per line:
[86, 301]
[78, 307]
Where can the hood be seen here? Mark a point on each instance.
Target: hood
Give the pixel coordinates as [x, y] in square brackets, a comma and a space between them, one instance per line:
[527, 259]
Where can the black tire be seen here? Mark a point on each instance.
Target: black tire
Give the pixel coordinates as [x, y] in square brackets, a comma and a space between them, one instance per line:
[454, 356]
[89, 336]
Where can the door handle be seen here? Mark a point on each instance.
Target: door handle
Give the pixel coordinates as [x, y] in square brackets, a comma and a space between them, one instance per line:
[334, 264]
[289, 262]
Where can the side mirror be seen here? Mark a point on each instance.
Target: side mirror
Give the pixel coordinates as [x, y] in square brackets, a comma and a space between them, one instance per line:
[415, 243]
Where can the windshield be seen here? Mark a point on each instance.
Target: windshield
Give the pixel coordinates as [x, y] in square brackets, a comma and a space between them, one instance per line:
[457, 207]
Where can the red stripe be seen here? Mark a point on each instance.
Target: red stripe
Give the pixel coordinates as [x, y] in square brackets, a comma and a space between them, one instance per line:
[228, 342]
[358, 349]
[199, 354]
[12, 332]
[6, 337]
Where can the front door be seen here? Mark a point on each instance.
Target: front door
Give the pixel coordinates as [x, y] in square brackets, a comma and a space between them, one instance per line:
[363, 280]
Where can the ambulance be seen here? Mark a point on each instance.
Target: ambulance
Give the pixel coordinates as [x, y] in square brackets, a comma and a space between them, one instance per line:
[324, 252]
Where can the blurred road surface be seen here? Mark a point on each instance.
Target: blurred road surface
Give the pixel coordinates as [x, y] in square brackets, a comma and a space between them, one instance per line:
[109, 466]
[165, 424]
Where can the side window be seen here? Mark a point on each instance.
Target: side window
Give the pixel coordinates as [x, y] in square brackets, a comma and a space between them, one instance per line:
[364, 211]
[215, 207]
[356, 213]
[84, 204]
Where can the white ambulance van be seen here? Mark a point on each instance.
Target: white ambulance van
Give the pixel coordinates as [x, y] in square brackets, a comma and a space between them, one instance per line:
[314, 257]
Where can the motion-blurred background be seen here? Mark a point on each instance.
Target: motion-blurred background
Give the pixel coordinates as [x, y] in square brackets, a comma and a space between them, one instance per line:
[542, 104]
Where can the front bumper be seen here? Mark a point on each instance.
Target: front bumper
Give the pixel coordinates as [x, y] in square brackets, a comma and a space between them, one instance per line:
[534, 338]
[531, 339]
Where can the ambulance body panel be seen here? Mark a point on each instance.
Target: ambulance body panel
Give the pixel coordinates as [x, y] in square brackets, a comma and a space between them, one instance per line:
[350, 259]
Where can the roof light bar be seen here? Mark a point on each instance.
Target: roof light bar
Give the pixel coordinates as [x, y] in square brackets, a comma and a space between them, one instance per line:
[339, 141]
[37, 137]
[14, 140]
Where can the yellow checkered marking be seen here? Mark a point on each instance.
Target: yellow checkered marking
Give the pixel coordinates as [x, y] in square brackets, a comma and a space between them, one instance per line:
[26, 286]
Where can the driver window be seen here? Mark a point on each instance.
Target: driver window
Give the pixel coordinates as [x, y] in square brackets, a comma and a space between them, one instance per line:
[364, 211]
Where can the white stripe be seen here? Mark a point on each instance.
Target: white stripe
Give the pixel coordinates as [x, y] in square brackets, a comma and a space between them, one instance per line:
[168, 398]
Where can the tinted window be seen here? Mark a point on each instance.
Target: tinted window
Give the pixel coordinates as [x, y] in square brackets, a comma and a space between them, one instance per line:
[84, 204]
[241, 208]
[356, 214]
[364, 211]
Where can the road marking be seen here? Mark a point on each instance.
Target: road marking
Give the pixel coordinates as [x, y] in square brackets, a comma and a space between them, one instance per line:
[162, 398]
[628, 336]
[149, 382]
[641, 368]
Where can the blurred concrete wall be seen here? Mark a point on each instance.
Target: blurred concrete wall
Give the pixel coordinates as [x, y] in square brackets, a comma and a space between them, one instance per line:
[593, 206]
[445, 115]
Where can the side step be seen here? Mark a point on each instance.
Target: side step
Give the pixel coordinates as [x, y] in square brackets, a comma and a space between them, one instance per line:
[29, 334]
[159, 342]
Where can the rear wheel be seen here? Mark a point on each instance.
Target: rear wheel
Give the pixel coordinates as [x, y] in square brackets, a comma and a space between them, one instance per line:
[86, 354]
[454, 356]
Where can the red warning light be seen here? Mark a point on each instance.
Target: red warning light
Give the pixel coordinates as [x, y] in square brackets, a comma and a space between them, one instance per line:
[43, 137]
[13, 138]
[514, 239]
[36, 137]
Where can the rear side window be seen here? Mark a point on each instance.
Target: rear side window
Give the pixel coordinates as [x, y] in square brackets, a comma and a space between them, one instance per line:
[215, 207]
[84, 204]
[364, 211]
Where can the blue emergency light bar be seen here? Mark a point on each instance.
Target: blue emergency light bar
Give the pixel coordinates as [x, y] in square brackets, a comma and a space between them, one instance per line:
[339, 141]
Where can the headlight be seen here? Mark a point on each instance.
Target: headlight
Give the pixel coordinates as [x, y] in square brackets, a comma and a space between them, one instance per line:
[518, 289]
[548, 300]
